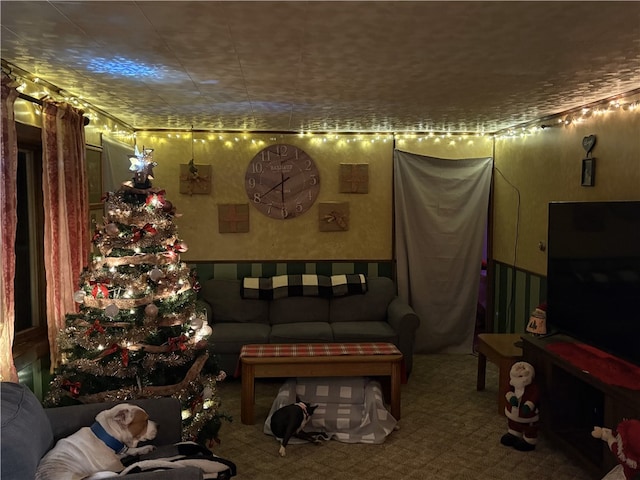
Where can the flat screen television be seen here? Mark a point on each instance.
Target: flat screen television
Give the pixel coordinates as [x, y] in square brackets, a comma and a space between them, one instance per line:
[593, 274]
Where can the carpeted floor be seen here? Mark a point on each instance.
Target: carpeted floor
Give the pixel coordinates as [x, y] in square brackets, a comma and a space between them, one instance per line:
[448, 430]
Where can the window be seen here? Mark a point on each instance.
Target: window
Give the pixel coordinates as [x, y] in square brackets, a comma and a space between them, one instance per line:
[29, 240]
[30, 293]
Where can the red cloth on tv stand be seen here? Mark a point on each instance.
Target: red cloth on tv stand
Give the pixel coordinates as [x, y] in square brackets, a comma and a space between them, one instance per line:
[602, 365]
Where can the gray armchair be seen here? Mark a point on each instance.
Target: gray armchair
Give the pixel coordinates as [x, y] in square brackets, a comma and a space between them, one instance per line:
[29, 431]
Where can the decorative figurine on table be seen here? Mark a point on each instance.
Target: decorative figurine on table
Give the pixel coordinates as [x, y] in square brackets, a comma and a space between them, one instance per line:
[522, 408]
[624, 443]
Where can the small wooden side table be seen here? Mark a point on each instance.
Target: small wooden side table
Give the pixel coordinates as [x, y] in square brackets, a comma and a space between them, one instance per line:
[500, 349]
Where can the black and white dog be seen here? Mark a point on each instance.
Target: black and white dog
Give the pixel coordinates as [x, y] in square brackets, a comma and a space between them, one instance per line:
[290, 420]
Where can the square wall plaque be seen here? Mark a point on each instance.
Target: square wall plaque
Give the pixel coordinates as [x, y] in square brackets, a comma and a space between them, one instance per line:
[333, 216]
[195, 179]
[354, 178]
[233, 218]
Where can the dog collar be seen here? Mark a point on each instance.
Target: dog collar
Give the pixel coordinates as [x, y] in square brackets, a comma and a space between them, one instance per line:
[111, 442]
[304, 408]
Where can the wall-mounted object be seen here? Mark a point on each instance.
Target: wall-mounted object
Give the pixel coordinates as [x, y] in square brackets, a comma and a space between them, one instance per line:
[195, 179]
[588, 172]
[94, 176]
[282, 181]
[333, 216]
[588, 143]
[233, 218]
[354, 178]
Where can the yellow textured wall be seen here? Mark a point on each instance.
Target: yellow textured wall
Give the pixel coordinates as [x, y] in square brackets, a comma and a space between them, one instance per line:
[547, 166]
[370, 232]
[449, 147]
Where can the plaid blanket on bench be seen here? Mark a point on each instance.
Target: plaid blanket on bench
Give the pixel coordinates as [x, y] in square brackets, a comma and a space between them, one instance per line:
[281, 286]
[317, 349]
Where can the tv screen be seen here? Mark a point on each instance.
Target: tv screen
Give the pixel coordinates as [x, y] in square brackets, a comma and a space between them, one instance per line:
[593, 274]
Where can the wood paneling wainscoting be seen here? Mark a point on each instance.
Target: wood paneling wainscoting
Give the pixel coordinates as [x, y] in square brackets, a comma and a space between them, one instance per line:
[238, 270]
[516, 294]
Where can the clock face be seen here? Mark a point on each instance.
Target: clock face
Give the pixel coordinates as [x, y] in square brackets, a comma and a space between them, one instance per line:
[282, 181]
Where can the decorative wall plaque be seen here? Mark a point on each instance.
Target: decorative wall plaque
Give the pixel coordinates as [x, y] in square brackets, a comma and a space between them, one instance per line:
[233, 218]
[195, 179]
[354, 178]
[333, 216]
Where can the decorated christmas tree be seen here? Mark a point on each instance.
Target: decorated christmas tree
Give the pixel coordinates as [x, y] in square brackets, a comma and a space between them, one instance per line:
[139, 332]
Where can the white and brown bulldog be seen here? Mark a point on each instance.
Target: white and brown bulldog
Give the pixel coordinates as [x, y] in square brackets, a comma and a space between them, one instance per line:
[114, 435]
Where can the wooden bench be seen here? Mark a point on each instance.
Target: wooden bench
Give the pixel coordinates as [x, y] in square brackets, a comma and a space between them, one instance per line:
[318, 360]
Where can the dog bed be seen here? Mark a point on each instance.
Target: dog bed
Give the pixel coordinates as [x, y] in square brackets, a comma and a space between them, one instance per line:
[350, 409]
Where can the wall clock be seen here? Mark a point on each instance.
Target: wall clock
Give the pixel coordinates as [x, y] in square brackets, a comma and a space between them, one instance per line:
[282, 181]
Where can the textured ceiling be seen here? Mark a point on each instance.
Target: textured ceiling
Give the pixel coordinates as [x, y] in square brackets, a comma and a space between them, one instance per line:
[322, 66]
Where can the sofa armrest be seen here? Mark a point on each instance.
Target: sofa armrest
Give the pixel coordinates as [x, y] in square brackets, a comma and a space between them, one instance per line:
[405, 322]
[402, 317]
[186, 473]
[166, 412]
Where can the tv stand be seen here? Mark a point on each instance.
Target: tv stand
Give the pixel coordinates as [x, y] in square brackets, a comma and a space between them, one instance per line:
[573, 402]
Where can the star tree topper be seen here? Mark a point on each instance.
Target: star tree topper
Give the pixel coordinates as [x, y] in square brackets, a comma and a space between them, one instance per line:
[142, 163]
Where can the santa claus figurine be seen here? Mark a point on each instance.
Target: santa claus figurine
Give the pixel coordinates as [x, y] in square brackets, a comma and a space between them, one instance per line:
[624, 443]
[522, 408]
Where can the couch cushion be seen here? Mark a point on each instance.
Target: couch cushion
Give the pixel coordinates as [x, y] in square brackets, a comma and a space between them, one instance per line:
[230, 337]
[26, 432]
[303, 332]
[360, 332]
[298, 309]
[228, 306]
[371, 306]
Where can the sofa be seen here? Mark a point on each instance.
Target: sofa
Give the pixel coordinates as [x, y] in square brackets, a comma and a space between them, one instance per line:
[373, 314]
[29, 431]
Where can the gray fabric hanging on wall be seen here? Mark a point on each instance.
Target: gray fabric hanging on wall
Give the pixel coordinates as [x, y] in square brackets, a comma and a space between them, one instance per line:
[115, 163]
[441, 211]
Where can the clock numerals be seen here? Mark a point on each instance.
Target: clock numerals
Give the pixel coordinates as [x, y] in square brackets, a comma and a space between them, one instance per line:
[282, 181]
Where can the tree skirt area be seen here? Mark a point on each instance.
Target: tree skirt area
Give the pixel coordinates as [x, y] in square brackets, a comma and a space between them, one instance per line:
[350, 409]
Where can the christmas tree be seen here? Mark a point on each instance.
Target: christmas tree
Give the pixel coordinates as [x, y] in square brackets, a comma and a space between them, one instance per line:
[139, 332]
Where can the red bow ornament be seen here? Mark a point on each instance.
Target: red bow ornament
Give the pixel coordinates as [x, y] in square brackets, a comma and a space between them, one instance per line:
[96, 327]
[123, 352]
[155, 199]
[172, 251]
[73, 387]
[198, 400]
[100, 287]
[177, 343]
[139, 232]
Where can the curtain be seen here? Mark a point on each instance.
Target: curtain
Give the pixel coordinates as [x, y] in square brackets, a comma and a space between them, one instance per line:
[9, 221]
[115, 163]
[66, 212]
[440, 219]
